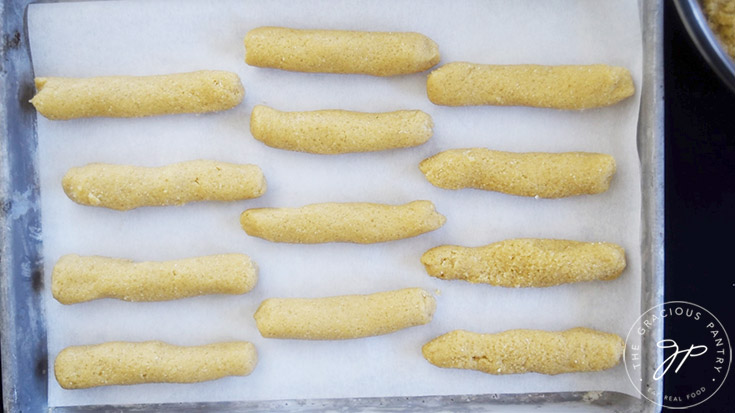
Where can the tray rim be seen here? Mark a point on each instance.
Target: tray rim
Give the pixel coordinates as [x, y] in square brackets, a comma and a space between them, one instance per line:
[23, 330]
[23, 320]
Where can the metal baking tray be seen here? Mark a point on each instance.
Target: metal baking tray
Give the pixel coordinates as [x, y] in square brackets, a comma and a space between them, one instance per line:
[24, 354]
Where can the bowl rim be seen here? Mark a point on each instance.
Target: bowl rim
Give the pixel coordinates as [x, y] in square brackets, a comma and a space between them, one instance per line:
[704, 38]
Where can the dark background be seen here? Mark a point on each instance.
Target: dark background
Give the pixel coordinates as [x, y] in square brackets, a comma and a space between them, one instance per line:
[700, 191]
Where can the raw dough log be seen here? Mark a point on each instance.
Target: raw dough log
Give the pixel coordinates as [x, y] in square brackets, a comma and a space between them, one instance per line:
[340, 51]
[61, 98]
[526, 351]
[544, 175]
[77, 279]
[344, 317]
[125, 187]
[81, 367]
[527, 262]
[362, 223]
[339, 131]
[559, 87]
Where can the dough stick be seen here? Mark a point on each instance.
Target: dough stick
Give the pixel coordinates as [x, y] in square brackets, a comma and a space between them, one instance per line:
[61, 98]
[81, 367]
[527, 262]
[125, 187]
[361, 223]
[559, 87]
[543, 175]
[340, 51]
[339, 131]
[77, 279]
[526, 351]
[344, 317]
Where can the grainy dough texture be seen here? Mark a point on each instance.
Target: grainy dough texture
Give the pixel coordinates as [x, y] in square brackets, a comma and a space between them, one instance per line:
[76, 279]
[81, 367]
[344, 317]
[537, 174]
[358, 222]
[61, 98]
[340, 51]
[125, 187]
[721, 18]
[526, 351]
[527, 262]
[559, 87]
[339, 131]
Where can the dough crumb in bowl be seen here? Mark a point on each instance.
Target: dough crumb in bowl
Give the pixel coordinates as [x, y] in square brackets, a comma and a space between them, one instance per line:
[721, 18]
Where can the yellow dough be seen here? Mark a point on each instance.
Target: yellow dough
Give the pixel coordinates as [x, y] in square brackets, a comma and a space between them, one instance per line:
[721, 18]
[339, 131]
[527, 262]
[340, 51]
[526, 351]
[81, 367]
[344, 317]
[60, 98]
[559, 87]
[125, 187]
[544, 175]
[76, 279]
[361, 223]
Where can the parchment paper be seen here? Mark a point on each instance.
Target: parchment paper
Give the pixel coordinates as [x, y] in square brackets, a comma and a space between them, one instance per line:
[156, 37]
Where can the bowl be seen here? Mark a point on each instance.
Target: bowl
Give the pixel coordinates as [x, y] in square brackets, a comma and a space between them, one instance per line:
[706, 40]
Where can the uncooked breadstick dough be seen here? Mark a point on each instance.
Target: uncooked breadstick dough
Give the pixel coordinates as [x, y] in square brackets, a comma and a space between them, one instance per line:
[536, 174]
[344, 317]
[125, 187]
[339, 131]
[362, 223]
[81, 367]
[340, 51]
[61, 98]
[526, 351]
[76, 279]
[527, 262]
[559, 87]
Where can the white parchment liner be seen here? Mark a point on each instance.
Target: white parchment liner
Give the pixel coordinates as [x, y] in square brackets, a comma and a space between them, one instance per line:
[156, 37]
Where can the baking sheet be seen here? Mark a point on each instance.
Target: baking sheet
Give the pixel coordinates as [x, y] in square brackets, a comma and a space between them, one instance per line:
[140, 38]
